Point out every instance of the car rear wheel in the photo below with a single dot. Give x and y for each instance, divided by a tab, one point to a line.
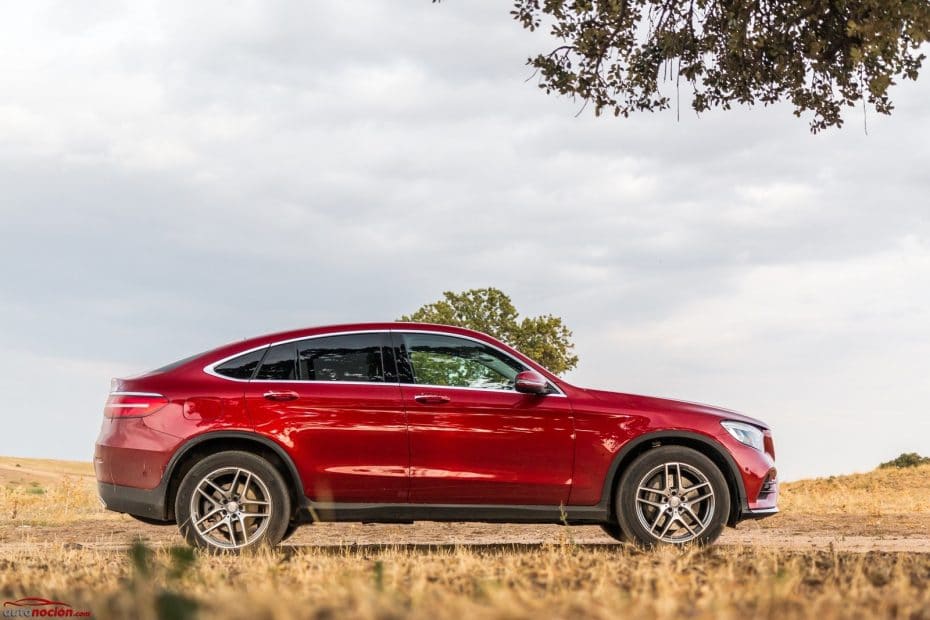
672	495
233	501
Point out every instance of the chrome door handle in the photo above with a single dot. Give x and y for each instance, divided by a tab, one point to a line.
282	396
431	399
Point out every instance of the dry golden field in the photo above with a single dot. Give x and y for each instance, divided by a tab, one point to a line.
846	547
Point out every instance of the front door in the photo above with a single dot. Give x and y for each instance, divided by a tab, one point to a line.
334	401
473	438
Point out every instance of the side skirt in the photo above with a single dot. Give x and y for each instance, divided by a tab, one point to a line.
484	513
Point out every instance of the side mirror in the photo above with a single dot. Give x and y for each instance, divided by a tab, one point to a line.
531	382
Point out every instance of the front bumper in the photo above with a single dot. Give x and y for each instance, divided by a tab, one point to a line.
761	513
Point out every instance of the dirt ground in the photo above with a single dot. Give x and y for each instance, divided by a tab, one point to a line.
852	527
795	532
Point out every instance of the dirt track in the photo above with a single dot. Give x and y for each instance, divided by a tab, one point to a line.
846	526
785	532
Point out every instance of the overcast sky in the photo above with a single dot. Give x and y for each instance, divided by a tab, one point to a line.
178	175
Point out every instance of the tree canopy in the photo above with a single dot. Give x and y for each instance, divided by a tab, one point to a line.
905	459
819	55
544	338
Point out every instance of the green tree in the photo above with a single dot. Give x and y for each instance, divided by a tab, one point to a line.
905	459
820	55
544	339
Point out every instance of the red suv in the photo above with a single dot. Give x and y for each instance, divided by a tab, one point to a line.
399	422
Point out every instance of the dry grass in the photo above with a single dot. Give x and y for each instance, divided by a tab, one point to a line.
881	503
560	579
552	581
40	491
879	492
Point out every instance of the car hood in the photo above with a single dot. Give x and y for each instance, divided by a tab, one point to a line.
667	405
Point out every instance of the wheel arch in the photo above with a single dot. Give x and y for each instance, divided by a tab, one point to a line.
708	446
222	441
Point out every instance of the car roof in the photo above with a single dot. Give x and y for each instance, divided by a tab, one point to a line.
235	348
361	327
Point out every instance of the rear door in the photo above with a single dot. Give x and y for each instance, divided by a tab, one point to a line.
335	402
473	438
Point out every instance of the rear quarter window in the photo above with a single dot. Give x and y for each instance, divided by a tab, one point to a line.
241	367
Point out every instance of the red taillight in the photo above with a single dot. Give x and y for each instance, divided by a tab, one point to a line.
133	404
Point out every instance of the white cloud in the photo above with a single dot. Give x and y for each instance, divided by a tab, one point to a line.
825	350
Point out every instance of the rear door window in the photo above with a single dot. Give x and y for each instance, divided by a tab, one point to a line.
349	357
280	363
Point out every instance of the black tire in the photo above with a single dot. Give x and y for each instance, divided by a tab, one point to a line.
659	498
150	521
246	503
613	530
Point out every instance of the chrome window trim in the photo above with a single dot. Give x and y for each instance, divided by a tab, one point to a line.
136	394
209	368
475	389
319	382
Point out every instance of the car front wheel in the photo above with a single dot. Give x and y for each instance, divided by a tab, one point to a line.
672	495
232	501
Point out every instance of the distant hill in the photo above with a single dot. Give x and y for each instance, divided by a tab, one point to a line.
15	470
886	490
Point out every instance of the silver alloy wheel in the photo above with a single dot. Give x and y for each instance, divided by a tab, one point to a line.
230	508
675	502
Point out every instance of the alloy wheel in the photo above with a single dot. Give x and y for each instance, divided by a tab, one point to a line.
230	508
675	502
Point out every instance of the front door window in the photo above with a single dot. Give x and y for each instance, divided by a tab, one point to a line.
457	362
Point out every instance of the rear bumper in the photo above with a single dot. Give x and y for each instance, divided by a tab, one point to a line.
149	503
128	452
130	461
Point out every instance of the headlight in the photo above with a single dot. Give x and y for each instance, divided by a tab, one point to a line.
745	433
